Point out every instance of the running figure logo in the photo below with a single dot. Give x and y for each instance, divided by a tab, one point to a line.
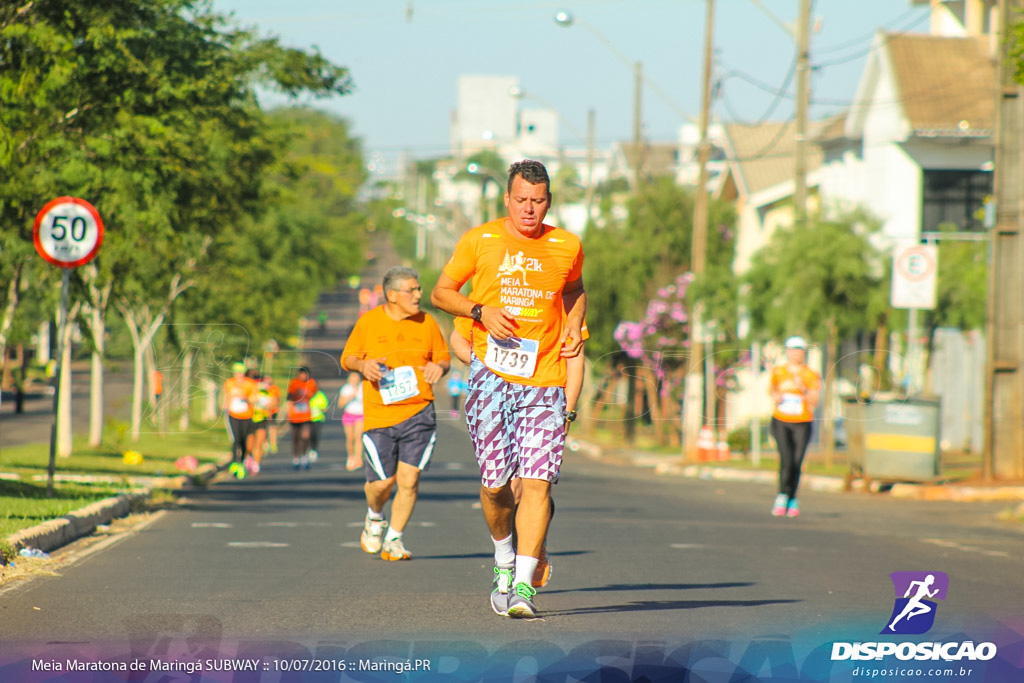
513	264
914	610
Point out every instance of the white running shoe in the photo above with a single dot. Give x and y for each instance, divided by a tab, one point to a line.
373	532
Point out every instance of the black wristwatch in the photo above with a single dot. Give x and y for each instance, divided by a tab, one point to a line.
570	416
477	312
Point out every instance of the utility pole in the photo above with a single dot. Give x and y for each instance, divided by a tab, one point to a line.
1004	405
802	102
638	125
694	384
591	125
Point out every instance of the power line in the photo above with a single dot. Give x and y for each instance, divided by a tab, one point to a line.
858	41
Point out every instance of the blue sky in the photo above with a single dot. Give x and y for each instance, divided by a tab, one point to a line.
405	65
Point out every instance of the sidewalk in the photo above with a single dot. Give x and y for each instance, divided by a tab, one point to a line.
672	465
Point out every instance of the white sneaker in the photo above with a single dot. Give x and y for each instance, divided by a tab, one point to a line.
313	455
373	532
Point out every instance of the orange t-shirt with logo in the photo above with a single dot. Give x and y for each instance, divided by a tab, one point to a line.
299	395
406	346
240	396
464	327
794	387
526	275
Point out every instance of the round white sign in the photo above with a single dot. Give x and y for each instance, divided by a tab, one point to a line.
68	232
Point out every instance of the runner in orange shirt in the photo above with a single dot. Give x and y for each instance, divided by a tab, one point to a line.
575	370
239	398
400	352
301	390
795	389
528	305
275	393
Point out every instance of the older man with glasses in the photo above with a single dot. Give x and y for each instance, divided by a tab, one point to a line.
400	352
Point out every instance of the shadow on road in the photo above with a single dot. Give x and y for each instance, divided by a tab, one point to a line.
664	605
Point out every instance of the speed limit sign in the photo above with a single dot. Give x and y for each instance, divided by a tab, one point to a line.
68	232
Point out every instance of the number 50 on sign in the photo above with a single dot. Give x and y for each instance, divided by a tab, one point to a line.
68	232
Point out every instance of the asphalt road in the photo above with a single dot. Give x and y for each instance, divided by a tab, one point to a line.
272	565
654	577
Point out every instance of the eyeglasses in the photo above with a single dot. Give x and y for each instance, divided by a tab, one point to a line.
410	290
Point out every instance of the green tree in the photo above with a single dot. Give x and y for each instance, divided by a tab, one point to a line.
148	108
961	299
627	261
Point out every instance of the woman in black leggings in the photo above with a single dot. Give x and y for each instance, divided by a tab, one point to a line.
796	390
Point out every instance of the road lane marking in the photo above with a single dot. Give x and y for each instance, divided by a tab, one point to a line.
360	524
211	525
256	544
942	543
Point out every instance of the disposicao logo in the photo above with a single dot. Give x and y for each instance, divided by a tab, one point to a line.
913	613
914	610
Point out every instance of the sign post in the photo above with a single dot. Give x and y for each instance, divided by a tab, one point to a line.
68	233
914	287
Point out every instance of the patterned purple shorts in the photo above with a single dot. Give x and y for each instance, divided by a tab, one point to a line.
516	430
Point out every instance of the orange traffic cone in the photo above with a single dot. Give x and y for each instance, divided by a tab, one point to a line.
706	444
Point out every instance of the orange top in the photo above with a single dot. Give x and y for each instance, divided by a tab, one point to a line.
299	395
158	382
240	396
275	391
464	327
406	346
794	388
526	275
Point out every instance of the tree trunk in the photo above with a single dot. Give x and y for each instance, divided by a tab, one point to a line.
210	409
64	431
650	381
185	402
13	291
143	328
828	441
598	400
99	298
138	375
98	328
629	409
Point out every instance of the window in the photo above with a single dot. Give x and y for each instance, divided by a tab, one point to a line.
956	197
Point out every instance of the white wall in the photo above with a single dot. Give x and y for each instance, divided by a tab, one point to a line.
486	113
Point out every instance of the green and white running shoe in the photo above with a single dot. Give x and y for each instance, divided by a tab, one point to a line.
502	588
520	603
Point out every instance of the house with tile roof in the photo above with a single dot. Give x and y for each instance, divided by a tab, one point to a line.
761	162
915	149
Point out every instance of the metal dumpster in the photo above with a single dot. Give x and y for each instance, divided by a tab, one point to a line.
894	439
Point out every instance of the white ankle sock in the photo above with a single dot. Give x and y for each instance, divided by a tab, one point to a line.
525	566
374	515
392	534
504	553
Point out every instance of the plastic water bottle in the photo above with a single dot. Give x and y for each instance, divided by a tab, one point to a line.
33	552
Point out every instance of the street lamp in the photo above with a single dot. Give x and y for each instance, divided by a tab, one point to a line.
566	20
487	212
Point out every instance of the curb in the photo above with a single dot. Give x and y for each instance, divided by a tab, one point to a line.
814	482
57	533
